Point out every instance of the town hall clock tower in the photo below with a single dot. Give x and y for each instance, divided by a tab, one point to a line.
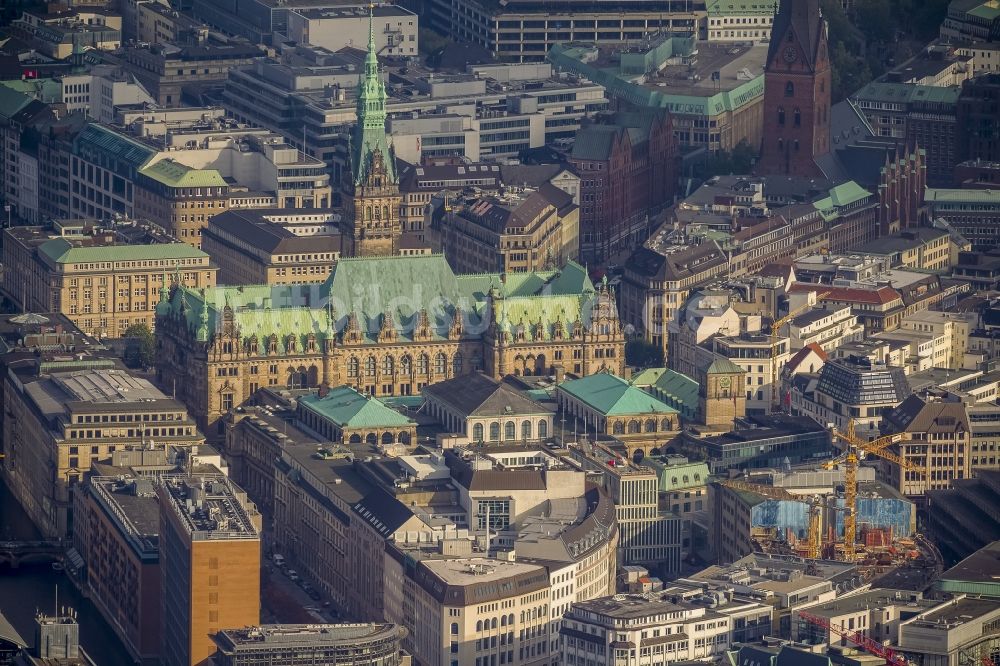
797	83
371	224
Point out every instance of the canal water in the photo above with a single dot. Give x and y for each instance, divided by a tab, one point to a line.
30	588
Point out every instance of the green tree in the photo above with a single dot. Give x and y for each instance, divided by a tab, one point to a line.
140	346
643	354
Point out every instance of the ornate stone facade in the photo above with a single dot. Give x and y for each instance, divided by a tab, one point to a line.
385	326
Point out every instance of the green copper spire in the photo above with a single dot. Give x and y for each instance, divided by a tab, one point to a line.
163	307
201	335
371	154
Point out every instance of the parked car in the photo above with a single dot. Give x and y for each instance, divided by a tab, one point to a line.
292	575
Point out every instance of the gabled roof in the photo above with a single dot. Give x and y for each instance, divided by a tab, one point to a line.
347	408
382	511
477	394
613	396
801	355
879	296
595	142
918	414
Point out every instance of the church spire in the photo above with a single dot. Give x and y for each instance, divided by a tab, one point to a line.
370	149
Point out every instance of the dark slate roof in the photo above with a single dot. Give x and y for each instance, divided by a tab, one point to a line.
252	227
595	142
477	394
917	414
790	656
804	18
529	175
382	511
678	265
752	655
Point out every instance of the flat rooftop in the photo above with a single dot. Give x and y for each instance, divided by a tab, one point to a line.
475	570
736	64
628	606
131	503
359	12
208	507
983	566
954	613
287	636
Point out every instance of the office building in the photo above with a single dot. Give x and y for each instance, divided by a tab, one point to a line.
180	198
975	214
964	519
515	231
336	27
526	31
713	91
828	328
960	629
851	389
165	69
273	246
209	563
760	442
977	127
678	625
647	535
104	280
329	331
63	416
303	644
627	171
921	247
61	33
116	531
740	21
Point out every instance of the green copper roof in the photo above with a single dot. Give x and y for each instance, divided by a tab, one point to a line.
677	390
722	366
48	91
175	174
369	141
347	408
902	93
12	101
741	7
678	477
988	11
942	196
613	396
61	251
96	140
842	195
404	287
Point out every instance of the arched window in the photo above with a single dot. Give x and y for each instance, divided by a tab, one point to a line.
650	425
385	212
456	364
525	429
387	365
509	430
543	429
781	115
477	363
378	213
797	117
665	424
405	365
368	212
796	144
503	621
477	432
633	426
423	363
479	625
494	431
789	89
493	623
440	363
370	366
781	143
618	428
352	366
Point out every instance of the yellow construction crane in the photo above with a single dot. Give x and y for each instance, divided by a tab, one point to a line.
775	334
772	492
850	458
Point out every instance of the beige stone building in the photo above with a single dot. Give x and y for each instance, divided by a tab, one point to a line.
386	326
180	198
103	281
64	415
515	231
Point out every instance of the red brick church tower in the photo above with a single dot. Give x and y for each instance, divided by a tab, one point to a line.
796	92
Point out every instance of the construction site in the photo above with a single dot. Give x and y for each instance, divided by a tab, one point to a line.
809	510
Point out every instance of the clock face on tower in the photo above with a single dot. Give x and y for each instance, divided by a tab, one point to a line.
724	382
790	54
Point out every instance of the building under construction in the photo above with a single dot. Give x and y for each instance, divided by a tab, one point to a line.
782	511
